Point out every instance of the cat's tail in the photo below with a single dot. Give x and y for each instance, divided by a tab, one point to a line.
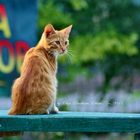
12	111
16	111
19	93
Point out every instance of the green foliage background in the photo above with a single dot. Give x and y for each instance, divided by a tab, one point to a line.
105	35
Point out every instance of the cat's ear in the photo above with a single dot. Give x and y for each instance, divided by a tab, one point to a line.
67	30
49	30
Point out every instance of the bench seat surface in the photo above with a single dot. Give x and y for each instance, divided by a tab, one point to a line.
71	122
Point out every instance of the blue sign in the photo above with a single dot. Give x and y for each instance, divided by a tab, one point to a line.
18	21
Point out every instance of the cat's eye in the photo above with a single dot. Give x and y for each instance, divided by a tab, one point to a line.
57	42
66	42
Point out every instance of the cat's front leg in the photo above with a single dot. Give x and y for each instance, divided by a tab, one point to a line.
54	109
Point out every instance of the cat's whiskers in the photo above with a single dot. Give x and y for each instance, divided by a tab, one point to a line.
69	56
71	53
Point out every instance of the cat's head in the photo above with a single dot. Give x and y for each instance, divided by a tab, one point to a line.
57	41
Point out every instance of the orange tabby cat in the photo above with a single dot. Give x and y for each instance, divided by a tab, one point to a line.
34	92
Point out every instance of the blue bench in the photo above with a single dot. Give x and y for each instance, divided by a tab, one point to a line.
72	122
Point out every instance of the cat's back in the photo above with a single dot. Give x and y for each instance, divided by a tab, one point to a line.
31	59
42	59
34	53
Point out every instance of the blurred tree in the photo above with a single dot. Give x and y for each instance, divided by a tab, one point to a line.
104	32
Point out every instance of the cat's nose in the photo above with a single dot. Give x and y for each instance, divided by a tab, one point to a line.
63	50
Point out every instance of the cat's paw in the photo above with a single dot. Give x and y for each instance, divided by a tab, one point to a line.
47	112
55	110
